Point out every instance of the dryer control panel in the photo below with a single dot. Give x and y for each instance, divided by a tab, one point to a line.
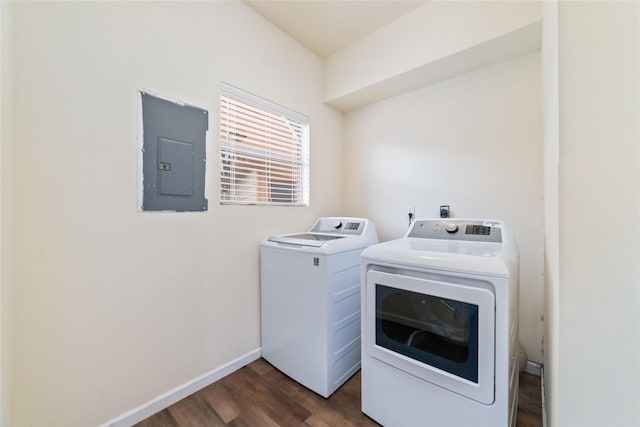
457	229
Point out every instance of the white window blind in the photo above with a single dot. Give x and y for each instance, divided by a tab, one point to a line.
264	151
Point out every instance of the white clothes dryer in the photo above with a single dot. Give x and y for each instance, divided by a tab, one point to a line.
310	301
440	326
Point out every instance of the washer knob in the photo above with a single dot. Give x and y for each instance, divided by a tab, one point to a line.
452	228
337	224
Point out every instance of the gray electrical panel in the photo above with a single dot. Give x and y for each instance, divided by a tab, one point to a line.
174	155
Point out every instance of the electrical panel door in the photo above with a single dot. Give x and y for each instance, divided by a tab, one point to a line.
174	155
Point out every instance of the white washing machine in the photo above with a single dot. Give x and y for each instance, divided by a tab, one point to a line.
440	326
310	300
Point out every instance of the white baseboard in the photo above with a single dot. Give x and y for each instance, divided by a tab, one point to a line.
161	402
532	368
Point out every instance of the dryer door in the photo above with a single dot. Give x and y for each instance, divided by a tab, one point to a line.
441	332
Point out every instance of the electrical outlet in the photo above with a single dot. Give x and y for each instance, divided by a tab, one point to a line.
411	214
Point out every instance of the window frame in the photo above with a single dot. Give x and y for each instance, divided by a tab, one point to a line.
299	184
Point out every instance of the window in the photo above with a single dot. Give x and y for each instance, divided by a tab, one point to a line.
264	151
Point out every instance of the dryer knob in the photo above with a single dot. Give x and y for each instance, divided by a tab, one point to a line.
452	228
337	224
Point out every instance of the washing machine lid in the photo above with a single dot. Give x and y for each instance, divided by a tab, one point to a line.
305	239
329	235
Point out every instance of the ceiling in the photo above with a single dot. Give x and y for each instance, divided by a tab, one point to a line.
326	26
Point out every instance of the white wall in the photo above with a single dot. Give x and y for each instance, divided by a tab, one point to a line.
549	59
473	142
599	215
114	307
6	126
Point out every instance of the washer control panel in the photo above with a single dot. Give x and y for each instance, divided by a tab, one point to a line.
457	229
348	226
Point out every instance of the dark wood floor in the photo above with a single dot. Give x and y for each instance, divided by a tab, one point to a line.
260	395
